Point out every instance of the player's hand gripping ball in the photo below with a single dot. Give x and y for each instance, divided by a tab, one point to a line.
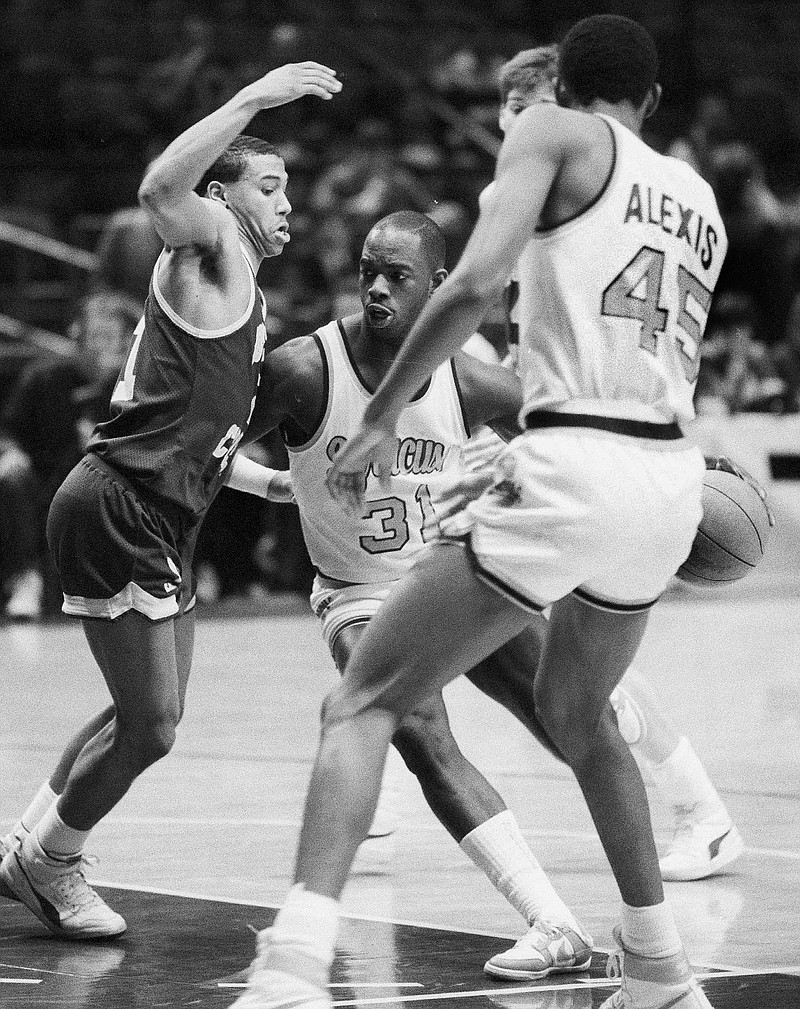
733	533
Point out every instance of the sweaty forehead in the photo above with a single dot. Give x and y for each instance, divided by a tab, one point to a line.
265	168
392	246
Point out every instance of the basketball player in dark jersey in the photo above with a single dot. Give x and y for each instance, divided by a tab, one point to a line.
123	524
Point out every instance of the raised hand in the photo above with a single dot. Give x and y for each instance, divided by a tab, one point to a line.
293	81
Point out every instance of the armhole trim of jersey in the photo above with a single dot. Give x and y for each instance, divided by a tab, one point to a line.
546	232
460	396
204	334
327	400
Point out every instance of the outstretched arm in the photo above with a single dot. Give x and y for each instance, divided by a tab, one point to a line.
179	215
251	477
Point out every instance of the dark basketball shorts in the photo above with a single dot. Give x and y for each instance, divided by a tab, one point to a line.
115	552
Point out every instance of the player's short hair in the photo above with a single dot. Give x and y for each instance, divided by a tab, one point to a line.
608	57
528	70
230	165
430	234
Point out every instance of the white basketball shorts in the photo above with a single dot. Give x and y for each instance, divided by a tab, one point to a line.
606	515
339	606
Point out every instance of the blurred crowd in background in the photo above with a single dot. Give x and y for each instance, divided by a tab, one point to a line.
101	86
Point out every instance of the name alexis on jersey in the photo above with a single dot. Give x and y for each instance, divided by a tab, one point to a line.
648	206
414	456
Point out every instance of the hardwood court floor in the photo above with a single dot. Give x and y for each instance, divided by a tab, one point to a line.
218	819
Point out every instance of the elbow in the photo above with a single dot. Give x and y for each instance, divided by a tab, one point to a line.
147	194
153	192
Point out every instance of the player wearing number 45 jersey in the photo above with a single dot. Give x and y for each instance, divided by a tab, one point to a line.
122	526
593	509
705	840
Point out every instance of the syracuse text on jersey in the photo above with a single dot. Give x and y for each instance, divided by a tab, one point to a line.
413	456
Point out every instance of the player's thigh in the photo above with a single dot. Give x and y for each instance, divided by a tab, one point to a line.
586	653
508	676
138	660
437	623
183	627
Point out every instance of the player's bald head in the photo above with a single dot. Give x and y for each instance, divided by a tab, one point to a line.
418	227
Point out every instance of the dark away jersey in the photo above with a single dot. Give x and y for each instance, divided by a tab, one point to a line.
182	402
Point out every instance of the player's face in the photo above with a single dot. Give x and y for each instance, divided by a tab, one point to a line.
258	199
519	100
394	282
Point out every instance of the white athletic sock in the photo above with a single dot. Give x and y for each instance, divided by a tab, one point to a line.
499	850
307	925
630	717
650	931
302	941
57	838
40	803
682	780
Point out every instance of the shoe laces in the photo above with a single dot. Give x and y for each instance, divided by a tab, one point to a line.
540	935
69	886
614	964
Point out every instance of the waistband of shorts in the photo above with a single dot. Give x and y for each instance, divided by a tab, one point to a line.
326	582
168	511
670	431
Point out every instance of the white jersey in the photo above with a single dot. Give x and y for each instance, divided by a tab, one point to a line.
613	303
381	545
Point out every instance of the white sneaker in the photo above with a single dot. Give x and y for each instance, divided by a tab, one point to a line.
57	893
704	842
10	842
269	988
659	982
25	601
275	989
546	948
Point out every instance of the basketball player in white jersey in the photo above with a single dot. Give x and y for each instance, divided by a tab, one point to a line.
705	840
593	509
315	389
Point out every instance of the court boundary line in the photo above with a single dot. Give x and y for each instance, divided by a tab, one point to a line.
579	985
719	970
276	907
427	828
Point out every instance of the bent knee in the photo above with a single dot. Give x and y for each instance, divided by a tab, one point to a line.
148	741
426	744
571	723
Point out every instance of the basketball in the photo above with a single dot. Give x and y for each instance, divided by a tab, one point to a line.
732	535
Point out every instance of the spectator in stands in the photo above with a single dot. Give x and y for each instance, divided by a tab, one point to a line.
787	357
711	127
165	86
45	424
758	264
737	372
127	251
367	182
